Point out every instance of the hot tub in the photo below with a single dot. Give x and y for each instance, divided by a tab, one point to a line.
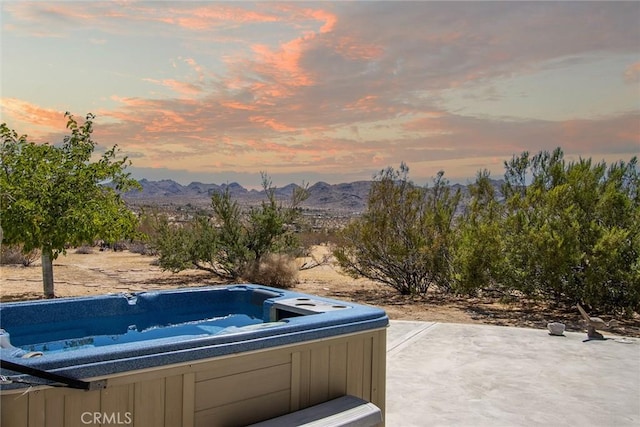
227	356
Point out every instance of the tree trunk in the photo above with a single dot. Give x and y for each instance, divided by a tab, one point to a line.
47	273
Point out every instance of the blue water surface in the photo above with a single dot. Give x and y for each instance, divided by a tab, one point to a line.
183	330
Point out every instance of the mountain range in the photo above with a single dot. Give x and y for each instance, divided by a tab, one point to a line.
350	196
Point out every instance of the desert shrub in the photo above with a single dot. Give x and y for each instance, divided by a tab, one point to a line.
232	243
84	250
142	248
277	270
148	221
13	255
478	245
311	238
404	237
567	232
178	246
574	234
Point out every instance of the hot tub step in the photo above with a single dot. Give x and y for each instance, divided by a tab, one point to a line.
343	411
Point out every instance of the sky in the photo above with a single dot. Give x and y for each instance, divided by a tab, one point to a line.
332	91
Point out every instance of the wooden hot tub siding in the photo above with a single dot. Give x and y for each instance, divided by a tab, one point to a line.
230	390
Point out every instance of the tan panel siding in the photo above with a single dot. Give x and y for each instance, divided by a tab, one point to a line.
246	411
18	416
36	409
366	368
379	370
54	407
188	400
117	399
295	381
319	375
231	388
250	362
305	372
149	401
337	370
173	400
355	361
75	404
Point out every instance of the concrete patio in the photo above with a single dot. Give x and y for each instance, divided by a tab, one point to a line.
441	374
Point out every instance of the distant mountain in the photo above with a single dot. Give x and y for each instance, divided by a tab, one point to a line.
350	196
165	187
170	188
200	188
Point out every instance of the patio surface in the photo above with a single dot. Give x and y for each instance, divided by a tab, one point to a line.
443	374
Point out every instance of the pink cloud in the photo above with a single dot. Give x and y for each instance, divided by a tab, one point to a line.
329	19
196	67
34	116
137	103
204	18
272	123
118	16
238	105
284	63
166	121
632	73
191	86
281	69
355	49
298	16
428	122
183	88
366	103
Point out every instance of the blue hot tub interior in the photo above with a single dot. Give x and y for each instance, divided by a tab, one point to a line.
85	337
101	332
118	319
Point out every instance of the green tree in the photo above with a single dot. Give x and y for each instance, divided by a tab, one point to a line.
53	196
404	238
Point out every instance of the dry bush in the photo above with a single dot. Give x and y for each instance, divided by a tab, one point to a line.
84	250
317	256
12	254
277	270
142	248
120	246
309	239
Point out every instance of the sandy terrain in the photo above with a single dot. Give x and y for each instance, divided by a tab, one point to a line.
105	272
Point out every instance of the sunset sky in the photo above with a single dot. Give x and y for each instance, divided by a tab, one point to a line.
326	91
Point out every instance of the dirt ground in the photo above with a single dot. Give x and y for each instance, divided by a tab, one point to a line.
99	272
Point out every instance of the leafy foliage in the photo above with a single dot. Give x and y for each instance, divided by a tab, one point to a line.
478	254
564	232
404	237
180	247
234	244
52	196
571	235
